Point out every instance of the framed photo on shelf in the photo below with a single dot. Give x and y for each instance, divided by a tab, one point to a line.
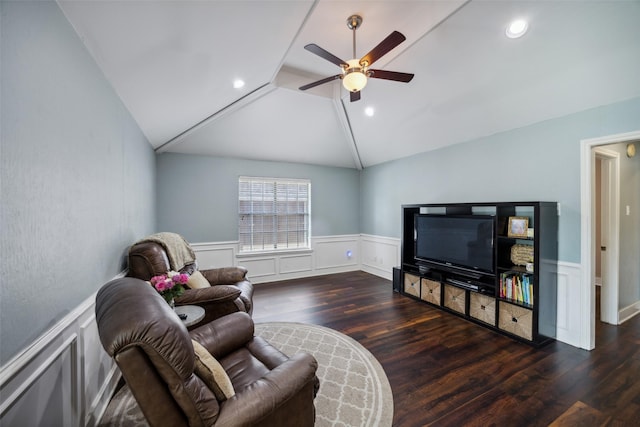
518	226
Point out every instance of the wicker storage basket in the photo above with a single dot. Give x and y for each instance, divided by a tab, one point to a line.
515	319
412	285
483	308
521	254
430	291
455	298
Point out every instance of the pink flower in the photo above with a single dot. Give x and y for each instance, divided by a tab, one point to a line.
169	285
156	279
181	278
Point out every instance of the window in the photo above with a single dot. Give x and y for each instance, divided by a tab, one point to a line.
273	213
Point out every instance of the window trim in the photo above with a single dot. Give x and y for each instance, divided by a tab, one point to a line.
275	181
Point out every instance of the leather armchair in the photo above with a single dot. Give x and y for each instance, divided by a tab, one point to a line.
155	354
230	290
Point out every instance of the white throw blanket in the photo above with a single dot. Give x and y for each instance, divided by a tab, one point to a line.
177	248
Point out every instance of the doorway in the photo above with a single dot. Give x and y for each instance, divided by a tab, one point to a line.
587	297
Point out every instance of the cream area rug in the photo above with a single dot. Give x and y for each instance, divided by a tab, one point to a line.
354	389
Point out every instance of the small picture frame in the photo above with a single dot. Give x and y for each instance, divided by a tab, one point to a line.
518	226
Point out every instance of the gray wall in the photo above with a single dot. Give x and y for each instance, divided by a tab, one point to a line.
537	162
77	177
198	195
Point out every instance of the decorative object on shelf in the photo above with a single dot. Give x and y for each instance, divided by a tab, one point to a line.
170	285
631	149
518	226
521	254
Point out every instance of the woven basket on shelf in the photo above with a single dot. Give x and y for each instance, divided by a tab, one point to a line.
521	254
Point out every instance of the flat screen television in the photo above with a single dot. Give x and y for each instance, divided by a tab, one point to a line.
464	242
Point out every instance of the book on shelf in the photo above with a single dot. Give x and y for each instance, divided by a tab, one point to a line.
516	287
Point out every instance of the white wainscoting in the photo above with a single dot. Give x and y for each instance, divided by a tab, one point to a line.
569	308
64	378
380	255
328	254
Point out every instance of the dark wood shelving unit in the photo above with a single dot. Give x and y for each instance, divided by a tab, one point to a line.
526	310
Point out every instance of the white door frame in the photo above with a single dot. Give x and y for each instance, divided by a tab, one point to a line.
587	230
611	228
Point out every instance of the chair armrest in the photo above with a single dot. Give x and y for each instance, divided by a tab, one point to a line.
225	275
226	334
278	388
212	294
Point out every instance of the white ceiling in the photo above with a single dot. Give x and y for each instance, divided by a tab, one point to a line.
173	64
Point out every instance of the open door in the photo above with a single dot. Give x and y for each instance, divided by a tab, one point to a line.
607	231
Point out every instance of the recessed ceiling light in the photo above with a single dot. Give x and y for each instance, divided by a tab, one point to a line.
369	111
517	28
237	84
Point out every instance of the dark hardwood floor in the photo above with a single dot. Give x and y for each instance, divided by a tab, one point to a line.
445	371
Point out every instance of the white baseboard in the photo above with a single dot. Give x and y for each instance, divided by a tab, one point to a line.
629	312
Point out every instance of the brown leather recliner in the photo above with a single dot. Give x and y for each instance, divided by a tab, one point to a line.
155	354
230	290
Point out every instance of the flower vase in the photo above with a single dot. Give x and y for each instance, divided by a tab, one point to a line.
172	304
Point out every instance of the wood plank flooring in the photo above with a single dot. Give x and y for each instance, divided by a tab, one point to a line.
445	371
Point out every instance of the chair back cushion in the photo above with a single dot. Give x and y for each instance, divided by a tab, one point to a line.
146	260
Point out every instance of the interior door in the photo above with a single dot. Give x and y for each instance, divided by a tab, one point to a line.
609	229
603	236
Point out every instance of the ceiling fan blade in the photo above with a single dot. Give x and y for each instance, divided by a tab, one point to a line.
391	75
319	82
392	40
314	48
355	96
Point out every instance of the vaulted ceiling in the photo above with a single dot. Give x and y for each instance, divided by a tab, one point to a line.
173	64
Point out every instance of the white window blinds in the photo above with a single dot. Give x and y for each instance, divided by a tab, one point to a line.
273	213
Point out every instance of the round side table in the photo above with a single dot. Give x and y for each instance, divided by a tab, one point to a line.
194	314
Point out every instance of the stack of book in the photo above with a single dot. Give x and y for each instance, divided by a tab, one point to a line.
517	287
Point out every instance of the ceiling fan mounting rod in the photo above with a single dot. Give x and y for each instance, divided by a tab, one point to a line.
353	22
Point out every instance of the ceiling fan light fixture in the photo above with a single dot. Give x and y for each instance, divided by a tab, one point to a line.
355	77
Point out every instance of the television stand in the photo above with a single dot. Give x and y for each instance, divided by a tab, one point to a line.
519	298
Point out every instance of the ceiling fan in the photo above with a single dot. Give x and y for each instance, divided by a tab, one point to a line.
356	72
